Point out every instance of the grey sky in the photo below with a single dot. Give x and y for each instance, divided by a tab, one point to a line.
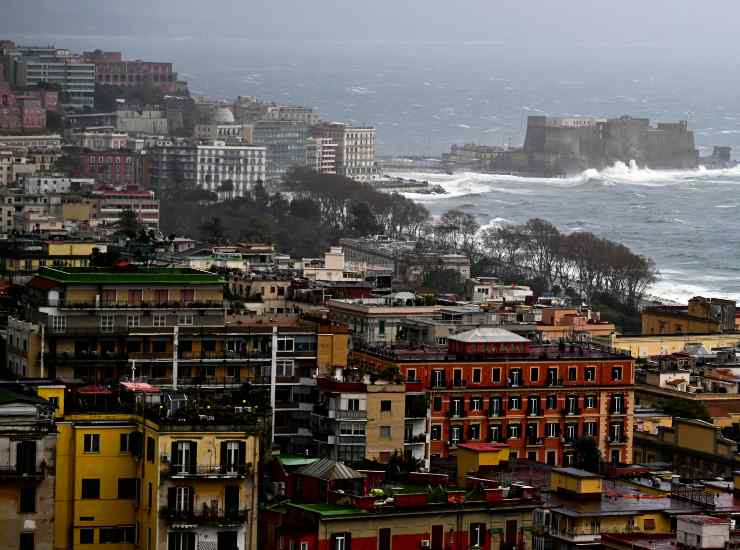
681	24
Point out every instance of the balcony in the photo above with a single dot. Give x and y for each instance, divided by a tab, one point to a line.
212	304
206	516
573	411
534	412
534	441
15	472
417	439
497	413
554	382
340	414
621	440
179	471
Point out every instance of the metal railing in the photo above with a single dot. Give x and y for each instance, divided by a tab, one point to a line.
205	516
195	470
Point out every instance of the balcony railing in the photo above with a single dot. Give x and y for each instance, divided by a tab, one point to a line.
198	470
206	516
415	439
208	304
14	471
534	441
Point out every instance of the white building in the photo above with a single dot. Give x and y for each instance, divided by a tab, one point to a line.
488	289
99	139
673	380
35	142
242	166
321	155
292	113
145	121
44	185
355	153
331	268
700	531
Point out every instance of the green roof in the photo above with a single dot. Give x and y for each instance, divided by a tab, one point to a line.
132	275
296	460
329	510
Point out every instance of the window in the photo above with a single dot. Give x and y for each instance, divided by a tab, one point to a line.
515	377
494	406
135	296
589	374
495	375
150	449
552	402
590	402
284	367
570	432
617	404
513	431
649	524
591	429
133	320
159	319
616	433
87	536
494	433
381	328
125	444
455	434
384	539
474	432
182	499
616	373
477	534
26	541
353	404
476	376
385	405
27	501
385	432
456	407
91	443
552	429
572	374
118	535
304	546
552	376
54	403
515	403
438	378
285	344
159	346
106	323
127	488
411	375
476	404
185	319
437	402
568	459
534	374
436	432
160	296
149	495
341	541
58	323
90	488
187	295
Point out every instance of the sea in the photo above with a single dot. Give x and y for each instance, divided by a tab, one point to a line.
424	96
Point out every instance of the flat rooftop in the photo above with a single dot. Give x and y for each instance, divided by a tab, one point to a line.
129	275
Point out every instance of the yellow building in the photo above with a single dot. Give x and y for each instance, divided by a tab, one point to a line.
20	259
662	344
582	506
385	421
156	476
478	457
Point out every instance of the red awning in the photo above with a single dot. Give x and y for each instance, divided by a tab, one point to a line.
141	387
93	390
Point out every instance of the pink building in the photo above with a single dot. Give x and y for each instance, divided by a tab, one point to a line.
20	112
111	167
112	202
112	70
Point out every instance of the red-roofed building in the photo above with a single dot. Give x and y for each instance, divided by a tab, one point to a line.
111	202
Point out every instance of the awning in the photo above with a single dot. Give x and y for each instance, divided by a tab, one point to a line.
141	387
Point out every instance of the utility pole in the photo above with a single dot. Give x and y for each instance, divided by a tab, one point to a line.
175	335
273	376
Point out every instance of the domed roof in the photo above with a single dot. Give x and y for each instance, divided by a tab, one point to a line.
223	115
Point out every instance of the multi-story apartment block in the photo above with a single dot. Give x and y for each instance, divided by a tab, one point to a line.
20	112
32	142
120	167
321	155
113	70
21	258
492	385
39	66
286	145
355	153
173	162
291	113
141	468
112	202
99	139
28	450
220	167
54	183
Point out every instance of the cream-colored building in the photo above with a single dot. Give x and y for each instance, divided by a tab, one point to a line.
650	345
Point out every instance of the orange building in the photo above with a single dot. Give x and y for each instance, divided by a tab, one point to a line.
492	385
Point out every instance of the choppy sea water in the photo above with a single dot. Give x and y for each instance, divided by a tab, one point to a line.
687	221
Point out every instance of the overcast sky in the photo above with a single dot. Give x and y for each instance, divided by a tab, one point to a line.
680	24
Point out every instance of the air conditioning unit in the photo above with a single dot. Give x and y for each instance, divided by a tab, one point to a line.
426	543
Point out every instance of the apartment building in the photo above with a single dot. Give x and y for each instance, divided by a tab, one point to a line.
285	142
28	445
112	70
134	469
112	202
321	155
355	152
112	167
490	384
221	167
292	113
99	139
33	142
